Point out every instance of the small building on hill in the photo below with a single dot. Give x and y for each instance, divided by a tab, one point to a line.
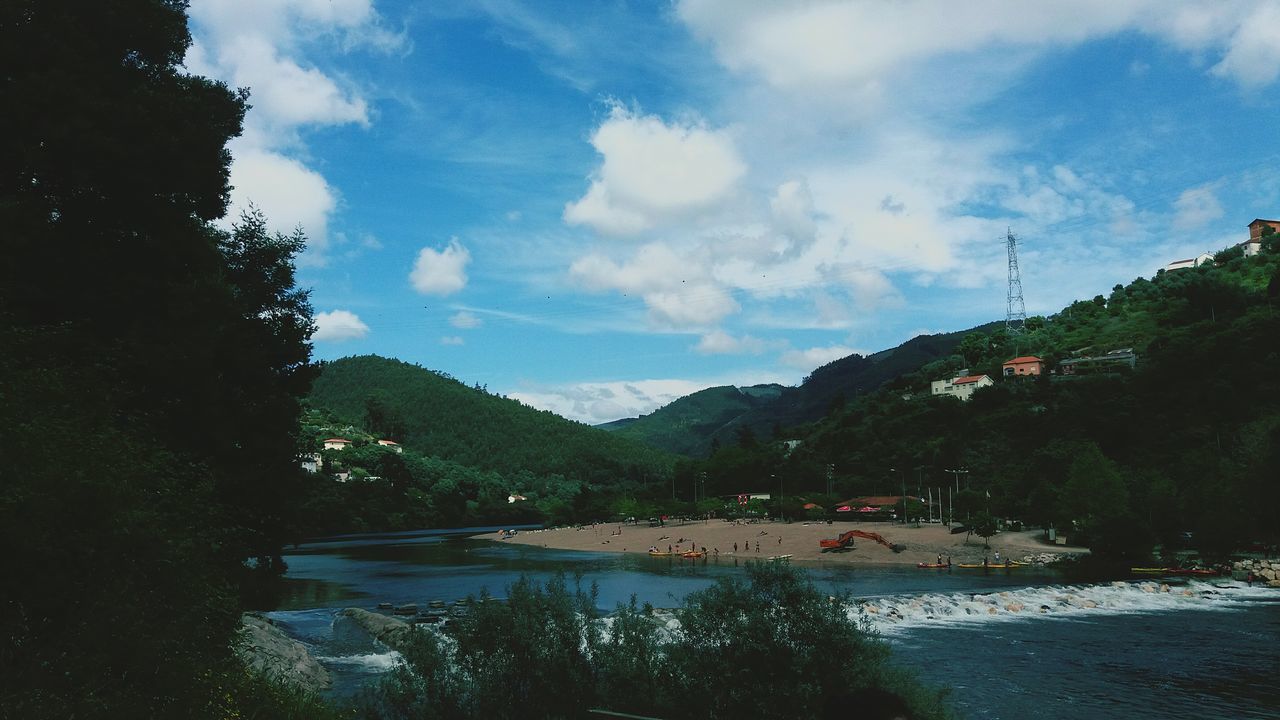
1259	229
961	387
1025	365
337	444
1194	262
1112	361
391	444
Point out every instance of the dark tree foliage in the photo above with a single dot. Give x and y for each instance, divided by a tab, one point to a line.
150	374
767	646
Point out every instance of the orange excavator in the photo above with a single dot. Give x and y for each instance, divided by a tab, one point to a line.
846	540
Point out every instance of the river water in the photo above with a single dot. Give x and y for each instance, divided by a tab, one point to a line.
1016	645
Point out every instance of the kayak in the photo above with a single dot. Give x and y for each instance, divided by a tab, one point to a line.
780	558
932	565
989	566
660	553
693	555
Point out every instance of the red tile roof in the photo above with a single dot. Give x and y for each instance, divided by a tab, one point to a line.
967	379
337	440
1023	359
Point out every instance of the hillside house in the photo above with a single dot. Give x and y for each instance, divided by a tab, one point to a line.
312	462
961	387
1108	362
392	445
337	444
1194	262
1025	365
1259	229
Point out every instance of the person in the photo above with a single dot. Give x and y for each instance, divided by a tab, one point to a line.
939	558
757	546
948	561
1250	578
984	561
779	539
668	549
997	557
735	547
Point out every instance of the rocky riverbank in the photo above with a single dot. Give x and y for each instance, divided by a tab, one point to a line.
266	649
1264	571
387	630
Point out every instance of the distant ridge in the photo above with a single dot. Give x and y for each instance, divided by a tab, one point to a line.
690	424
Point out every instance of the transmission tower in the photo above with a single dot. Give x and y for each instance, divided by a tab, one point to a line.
1016	317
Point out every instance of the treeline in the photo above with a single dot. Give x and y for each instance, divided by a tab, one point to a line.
1189	441
150	375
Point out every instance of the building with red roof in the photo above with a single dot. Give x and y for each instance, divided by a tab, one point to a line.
961	387
1025	365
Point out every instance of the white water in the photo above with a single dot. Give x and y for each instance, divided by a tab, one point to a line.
370	662
892	613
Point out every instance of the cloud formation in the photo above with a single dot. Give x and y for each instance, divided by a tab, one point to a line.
441	272
464	320
338	326
815	357
262	46
653	172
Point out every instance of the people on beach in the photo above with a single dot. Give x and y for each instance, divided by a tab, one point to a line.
997	557
779	539
735	548
757	546
939	558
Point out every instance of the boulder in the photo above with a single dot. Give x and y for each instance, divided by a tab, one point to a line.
386	630
265	649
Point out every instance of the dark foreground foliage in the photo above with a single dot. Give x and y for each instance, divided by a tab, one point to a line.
770	646
149	379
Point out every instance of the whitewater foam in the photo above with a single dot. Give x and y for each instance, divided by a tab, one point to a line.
891	613
371	662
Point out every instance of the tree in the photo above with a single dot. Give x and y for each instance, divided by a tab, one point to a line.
151	370
984	526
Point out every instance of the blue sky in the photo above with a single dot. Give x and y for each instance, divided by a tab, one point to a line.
597	207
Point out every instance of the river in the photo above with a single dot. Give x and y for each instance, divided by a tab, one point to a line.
1008	646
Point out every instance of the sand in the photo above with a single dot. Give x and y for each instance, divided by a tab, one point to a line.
797	539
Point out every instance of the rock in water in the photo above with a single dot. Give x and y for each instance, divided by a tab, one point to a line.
386	630
265	648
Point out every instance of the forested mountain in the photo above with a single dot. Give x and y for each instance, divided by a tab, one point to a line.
687	425
697	424
438	416
1189	440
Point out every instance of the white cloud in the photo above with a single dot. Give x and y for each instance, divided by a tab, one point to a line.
452	340
441	272
339	325
259	46
1196	207
676	289
288	193
814	357
859	46
719	342
653	172
465	320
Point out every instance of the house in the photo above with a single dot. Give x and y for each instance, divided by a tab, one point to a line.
1107	362
1025	365
1259	229
1194	262
960	387
391	444
514	498
337	444
312	462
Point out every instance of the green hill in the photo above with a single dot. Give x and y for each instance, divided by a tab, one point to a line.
687	425
1187	441
694	424
437	416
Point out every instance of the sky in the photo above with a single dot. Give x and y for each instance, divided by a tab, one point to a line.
597	207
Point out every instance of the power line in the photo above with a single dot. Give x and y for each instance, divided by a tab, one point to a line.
1015	319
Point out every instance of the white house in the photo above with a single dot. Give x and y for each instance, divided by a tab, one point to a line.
312	462
337	444
1194	262
961	387
391	444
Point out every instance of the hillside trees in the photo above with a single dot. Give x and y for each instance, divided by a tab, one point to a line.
151	369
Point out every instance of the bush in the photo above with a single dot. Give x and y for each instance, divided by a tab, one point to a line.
769	646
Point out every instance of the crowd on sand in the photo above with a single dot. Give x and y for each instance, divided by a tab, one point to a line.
723	540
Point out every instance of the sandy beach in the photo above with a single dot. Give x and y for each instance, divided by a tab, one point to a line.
797	539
